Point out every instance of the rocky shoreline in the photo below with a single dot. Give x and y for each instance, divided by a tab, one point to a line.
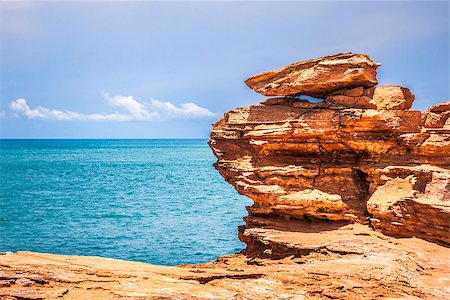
350	262
351	201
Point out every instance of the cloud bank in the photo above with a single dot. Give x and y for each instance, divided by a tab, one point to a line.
127	108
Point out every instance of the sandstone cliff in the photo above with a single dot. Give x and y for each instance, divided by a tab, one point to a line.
358	156
351	201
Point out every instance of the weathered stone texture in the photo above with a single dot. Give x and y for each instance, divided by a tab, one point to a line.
317	77
358	156
380	97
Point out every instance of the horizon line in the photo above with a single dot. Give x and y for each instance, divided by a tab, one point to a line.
71	138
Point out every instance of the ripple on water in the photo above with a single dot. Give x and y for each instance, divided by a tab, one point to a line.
156	201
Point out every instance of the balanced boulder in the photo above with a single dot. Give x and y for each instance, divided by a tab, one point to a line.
317	77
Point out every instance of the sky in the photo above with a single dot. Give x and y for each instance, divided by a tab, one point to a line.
115	69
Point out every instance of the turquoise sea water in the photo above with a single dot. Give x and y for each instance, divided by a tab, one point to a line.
155	201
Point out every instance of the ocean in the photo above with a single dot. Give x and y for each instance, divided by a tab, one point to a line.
154	201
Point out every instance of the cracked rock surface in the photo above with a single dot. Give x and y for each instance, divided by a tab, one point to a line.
317	77
299	261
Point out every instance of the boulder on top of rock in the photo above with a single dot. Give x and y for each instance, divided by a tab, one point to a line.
380	97
392	97
317	77
437	116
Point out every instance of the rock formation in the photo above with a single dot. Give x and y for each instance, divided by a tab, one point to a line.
359	156
380	97
335	184
317	77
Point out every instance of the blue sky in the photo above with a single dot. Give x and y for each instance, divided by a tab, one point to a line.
170	69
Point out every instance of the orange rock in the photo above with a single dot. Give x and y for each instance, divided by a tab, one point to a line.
380	97
437	116
317	77
392	97
325	161
413	201
296	261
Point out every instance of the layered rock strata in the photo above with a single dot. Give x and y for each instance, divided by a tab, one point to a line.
359	156
317	77
437	116
380	97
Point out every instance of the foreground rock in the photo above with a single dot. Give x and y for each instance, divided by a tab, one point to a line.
300	261
317	77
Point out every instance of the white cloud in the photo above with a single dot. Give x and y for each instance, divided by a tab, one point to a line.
21	108
2	114
133	108
128	109
186	110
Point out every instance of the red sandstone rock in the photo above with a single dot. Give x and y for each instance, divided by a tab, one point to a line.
437	116
317	77
322	161
392	97
380	97
297	261
412	201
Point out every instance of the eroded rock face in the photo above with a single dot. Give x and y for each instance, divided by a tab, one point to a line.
380	97
317	77
413	201
360	156
437	116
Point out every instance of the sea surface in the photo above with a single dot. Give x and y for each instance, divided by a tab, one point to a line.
155	201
